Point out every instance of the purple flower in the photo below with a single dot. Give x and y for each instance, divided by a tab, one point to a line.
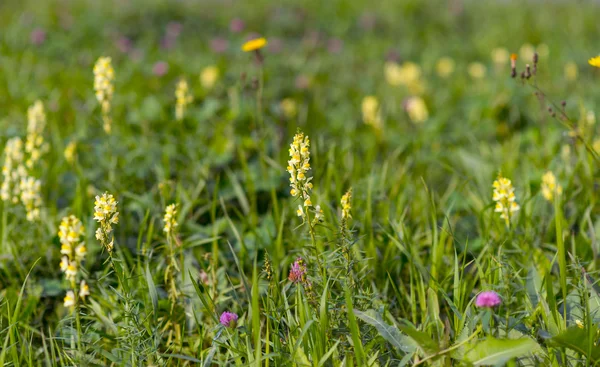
488	299
219	45
237	25
124	44
37	36
174	29
228	319
160	68
298	271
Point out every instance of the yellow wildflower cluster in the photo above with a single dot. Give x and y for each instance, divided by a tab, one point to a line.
209	76
34	145
17	184
104	75
169	219
298	166
504	196
105	213
594	61
183	98
408	74
550	186
416	109
371	112
346	206
70	233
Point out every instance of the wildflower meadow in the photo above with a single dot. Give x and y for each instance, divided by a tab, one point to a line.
311	183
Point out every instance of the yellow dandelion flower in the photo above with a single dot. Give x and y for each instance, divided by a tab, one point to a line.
595	61
254	44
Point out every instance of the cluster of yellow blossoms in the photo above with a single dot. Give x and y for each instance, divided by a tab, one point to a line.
34	145
504	196
408	75
70	233
183	98
371	112
104	74
19	183
346	206
549	186
106	214
298	167
169	219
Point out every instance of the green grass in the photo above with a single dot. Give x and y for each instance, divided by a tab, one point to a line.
396	283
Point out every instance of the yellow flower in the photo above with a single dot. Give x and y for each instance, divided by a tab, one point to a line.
169	219
595	61
84	289
69	300
289	107
500	56
370	112
476	70
209	76
444	67
346	205
504	197
70	151
104	74
255	44
298	166
30	197
549	186
571	71
579	323
183	98
526	52
106	214
416	109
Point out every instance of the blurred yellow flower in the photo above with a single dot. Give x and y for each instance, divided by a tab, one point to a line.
370	112
346	205
416	109
406	74
590	117
549	186
543	50
289	107
476	70
255	44
526	52
183	98
104	74
209	76
595	61
571	71
70	151
444	67
500	56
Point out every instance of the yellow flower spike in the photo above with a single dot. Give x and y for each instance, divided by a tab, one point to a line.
595	61
254	44
504	197
346	205
549	186
169	219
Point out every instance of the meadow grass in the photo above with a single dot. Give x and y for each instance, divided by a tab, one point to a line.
365	186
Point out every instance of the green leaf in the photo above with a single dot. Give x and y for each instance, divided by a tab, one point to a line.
152	290
388	332
422	339
493	351
579	340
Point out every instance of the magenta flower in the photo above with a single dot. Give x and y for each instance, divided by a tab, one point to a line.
237	25
160	68
37	36
488	299
228	319
298	271
219	45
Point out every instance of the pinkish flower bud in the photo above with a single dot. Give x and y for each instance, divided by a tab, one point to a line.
228	319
